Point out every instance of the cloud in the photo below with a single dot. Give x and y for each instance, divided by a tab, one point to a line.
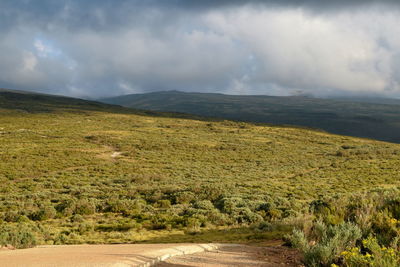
323	4
102	48
136	59
107	14
316	53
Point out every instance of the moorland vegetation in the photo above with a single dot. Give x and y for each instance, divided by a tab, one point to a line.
74	172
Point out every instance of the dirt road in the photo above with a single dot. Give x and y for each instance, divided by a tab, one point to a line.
93	255
141	255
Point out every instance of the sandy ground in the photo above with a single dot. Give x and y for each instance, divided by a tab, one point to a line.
238	255
137	254
81	255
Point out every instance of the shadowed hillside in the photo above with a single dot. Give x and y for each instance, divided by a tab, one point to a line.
360	118
35	102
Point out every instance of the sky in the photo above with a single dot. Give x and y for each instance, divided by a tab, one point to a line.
102	48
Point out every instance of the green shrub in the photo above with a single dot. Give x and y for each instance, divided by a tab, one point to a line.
184	197
44	213
11	216
85	207
325	243
204	205
19	236
193	225
77	218
66	207
163	204
60	239
85	227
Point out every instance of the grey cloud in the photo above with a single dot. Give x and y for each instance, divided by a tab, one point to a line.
104	14
310	3
102	48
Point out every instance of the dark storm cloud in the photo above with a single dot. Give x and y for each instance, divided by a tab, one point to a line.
108	14
77	13
68	13
306	3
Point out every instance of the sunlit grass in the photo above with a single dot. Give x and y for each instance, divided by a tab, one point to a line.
57	165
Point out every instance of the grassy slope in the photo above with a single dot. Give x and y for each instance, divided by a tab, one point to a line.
359	118
55	152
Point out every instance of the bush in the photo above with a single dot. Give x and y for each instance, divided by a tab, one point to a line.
371	254
246	216
85	207
85	227
44	213
230	205
385	227
203	205
60	239
184	197
11	216
66	207
264	226
19	236
193	226
325	243
163	204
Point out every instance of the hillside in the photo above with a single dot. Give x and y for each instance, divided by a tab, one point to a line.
75	171
360	118
34	102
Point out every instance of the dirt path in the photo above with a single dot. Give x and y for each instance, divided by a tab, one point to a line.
87	255
146	255
237	255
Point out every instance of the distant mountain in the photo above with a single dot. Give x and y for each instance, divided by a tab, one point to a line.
361	117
